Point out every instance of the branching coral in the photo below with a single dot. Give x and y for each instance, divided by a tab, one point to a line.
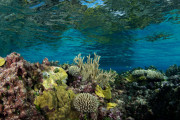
90	70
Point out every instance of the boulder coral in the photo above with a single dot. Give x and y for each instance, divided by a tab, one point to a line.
85	102
74	71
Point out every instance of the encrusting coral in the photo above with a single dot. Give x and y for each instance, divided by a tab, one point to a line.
17	78
53	76
85	102
57	104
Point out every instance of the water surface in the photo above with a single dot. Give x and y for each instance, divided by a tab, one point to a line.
125	34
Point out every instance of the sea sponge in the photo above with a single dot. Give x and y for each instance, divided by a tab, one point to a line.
74	71
85	102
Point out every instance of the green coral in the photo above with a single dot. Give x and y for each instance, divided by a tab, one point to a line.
59	103
54	76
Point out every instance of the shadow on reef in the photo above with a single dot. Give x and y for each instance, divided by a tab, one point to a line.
149	94
82	91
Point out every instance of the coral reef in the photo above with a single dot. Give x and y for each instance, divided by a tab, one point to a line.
57	104
148	74
154	99
17	79
85	102
2	61
46	61
54	76
74	71
34	91
103	93
90	70
173	70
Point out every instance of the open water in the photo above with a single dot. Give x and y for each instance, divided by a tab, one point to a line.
135	34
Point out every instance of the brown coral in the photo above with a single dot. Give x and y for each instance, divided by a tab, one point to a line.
85	102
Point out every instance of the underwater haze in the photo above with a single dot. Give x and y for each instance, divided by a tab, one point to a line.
125	33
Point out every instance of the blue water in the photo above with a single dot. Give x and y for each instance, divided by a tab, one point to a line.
120	51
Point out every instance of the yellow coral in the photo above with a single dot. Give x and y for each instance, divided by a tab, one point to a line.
48	99
51	77
103	93
111	105
60	101
2	61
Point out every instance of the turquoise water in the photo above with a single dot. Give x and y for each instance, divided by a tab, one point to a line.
45	29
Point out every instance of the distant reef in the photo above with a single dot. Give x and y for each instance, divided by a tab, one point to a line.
83	91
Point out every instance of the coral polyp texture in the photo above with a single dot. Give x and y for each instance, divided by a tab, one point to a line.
85	102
